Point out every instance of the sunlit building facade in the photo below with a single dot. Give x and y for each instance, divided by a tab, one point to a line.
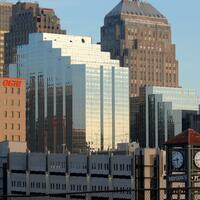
76	95
5	14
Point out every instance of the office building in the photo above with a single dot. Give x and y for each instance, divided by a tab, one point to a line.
28	18
150	174
7	147
160	113
12	109
58	174
191	120
77	97
139	36
5	14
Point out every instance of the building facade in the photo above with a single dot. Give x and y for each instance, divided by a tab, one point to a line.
12	109
7	147
160	113
140	37
5	14
61	174
28	18
76	95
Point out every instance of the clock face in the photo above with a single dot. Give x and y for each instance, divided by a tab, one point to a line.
197	159
177	159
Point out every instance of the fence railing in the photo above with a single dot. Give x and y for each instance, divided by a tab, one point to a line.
141	194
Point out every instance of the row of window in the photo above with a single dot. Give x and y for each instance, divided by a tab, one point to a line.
13	138
11	90
12	102
12	126
12	114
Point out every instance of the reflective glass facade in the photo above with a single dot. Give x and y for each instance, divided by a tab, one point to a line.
76	95
160	113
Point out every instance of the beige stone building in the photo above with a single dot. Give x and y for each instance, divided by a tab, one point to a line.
139	36
5	14
150	174
12	109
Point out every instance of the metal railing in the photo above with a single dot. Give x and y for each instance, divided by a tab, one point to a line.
141	194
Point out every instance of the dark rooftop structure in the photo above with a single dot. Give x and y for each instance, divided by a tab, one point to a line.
188	137
135	7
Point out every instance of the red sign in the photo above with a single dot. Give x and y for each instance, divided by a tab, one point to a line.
12	83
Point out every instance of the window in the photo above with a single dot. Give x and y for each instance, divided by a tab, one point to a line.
12	90
5	90
12	102
5	114
18	114
12	126
12	114
6	126
18	90
5	137
18	126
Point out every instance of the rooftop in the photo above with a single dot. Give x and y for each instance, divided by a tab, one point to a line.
135	7
187	137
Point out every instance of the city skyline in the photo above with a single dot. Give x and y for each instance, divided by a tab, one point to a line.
187	48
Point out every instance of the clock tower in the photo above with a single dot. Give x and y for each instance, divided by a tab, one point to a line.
183	166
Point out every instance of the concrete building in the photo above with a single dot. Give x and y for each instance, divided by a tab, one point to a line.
139	36
76	95
7	147
58	174
160	113
12	109
28	18
5	14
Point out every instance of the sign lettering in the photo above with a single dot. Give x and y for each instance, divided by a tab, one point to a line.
12	83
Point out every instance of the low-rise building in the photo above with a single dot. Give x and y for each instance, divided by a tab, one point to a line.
12	109
71	176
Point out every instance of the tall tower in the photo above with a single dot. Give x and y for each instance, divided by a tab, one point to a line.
28	18
5	14
140	37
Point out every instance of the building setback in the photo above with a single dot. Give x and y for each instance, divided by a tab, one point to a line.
140	37
5	14
28	18
161	113
12	109
76	95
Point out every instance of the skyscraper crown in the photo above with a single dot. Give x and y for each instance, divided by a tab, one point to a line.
135	7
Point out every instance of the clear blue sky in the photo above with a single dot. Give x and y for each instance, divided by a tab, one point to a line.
85	17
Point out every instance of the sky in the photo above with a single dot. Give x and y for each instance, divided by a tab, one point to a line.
85	17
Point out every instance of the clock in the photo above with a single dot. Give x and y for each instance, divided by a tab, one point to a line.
197	159
177	159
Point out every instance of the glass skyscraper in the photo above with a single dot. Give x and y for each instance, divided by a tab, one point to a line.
76	95
160	112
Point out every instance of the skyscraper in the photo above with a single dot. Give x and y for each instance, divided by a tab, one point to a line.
5	14
76	95
140	37
29	18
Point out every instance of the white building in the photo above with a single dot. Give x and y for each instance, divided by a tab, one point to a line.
76	95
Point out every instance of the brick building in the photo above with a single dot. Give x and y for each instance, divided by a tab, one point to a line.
29	18
5	14
140	37
12	109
